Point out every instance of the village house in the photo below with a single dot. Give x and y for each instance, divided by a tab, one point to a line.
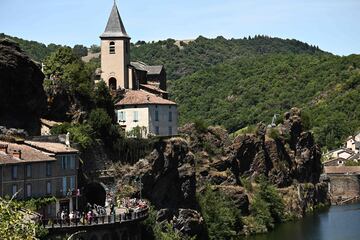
153	115
353	143
144	104
34	169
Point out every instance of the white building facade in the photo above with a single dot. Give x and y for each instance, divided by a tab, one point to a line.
154	115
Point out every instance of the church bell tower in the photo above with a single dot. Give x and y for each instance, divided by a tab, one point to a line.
115	52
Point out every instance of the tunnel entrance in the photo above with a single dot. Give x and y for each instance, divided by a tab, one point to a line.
95	193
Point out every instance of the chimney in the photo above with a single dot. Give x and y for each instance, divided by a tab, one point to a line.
17	154
4	148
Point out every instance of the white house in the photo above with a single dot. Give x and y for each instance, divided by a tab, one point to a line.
353	143
152	114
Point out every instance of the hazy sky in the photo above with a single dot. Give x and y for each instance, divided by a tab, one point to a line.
333	25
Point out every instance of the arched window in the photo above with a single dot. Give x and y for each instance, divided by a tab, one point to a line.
112	48
112	83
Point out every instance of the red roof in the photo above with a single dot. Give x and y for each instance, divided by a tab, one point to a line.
51	147
342	170
140	97
28	154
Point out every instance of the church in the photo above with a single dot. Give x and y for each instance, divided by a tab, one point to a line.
145	104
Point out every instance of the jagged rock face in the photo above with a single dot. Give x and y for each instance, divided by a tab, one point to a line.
282	161
168	175
23	99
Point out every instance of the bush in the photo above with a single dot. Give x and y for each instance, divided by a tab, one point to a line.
100	121
222	218
274	133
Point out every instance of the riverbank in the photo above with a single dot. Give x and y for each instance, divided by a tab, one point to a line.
336	223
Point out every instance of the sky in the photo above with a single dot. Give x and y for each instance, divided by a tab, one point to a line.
333	25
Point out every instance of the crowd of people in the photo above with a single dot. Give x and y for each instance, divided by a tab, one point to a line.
128	208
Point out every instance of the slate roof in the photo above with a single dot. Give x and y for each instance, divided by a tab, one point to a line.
140	97
115	26
151	70
28	154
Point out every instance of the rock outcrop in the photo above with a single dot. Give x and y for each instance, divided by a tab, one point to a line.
178	168
23	99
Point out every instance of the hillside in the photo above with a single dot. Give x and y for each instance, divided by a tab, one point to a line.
244	91
238	82
37	51
203	53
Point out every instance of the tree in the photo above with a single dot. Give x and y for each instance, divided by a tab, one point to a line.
80	51
222	218
95	48
58	61
15	223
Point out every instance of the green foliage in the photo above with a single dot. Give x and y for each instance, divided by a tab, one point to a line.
137	132
60	128
201	126
56	63
100	121
203	53
14	223
246	91
83	134
80	50
95	48
273	133
266	208
37	51
222	218
352	163
162	231
35	204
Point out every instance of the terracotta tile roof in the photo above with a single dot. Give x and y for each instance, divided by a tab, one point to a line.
141	97
28	154
342	170
51	147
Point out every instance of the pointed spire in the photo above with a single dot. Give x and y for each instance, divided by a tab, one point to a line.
115	26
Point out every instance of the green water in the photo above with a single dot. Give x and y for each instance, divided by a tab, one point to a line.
338	223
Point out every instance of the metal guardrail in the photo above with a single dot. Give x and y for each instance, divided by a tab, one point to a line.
97	220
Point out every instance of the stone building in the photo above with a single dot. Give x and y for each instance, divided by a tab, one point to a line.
144	87
32	169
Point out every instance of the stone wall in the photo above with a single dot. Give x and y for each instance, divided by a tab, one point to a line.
344	186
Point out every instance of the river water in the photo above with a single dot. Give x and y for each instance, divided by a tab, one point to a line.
337	223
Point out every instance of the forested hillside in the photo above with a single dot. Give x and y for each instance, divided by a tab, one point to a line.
239	82
203	53
250	90
37	51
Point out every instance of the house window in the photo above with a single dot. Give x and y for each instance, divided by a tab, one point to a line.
48	169
170	131
136	116
28	190
48	188
14	189
121	116
170	116
112	48
157	115
68	162
72	183
28	170
64	185
127	47
157	130
14	172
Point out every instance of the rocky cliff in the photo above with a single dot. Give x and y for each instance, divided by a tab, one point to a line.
22	98
180	167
